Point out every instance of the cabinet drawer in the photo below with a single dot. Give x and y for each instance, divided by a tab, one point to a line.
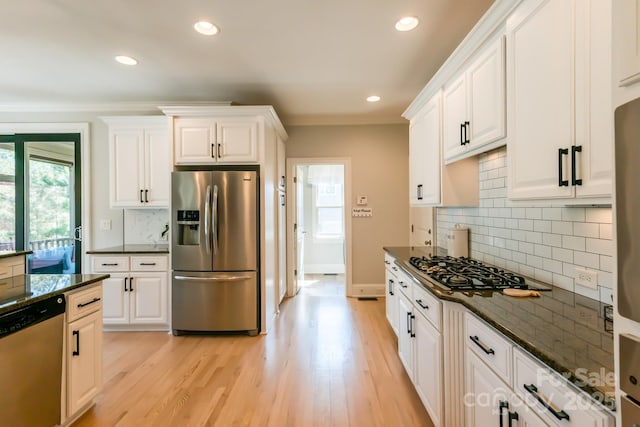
428	305
489	345
388	260
12	266
149	263
82	302
405	284
105	264
551	396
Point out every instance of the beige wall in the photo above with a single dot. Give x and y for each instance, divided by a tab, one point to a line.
380	170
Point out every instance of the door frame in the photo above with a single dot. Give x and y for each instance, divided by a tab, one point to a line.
292	164
83	130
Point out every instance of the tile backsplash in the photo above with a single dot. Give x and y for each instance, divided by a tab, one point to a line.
546	243
144	226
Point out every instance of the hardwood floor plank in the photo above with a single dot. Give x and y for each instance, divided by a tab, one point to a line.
329	361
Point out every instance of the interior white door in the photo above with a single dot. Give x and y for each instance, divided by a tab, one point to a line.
300	232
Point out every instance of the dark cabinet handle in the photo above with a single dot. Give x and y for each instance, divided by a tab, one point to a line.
141	201
394	268
411	318
461	133
409	322
476	340
213	150
84	304
130	284
387	262
76	352
419	192
219	151
466	133
502	405
575	149
513	416
109	264
125	284
146	196
403	285
147	263
391	287
557	412
421	304
561	182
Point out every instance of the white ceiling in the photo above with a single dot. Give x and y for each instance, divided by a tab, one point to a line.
315	61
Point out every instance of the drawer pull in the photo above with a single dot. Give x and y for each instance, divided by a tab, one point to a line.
147	263
76	352
422	305
387	262
109	264
394	268
84	304
482	345
403	285
557	412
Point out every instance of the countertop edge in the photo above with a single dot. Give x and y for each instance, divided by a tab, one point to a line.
15	253
535	352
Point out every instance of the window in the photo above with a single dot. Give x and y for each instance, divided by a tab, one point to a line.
328	210
7	197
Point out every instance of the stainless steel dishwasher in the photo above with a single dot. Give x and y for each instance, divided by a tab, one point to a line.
31	364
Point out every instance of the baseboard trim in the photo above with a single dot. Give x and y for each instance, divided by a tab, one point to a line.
324	268
368	290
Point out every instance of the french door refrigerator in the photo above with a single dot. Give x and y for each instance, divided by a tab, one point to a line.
214	250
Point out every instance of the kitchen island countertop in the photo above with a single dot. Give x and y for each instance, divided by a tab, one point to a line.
132	249
9	254
23	290
566	331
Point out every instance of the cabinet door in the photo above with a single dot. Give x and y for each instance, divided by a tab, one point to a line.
194	141
115	299
424	155
484	392
628	17
454	116
282	164
238	141
540	65
405	333
391	303
148	298
282	245
126	167
84	360
428	367
157	168
486	96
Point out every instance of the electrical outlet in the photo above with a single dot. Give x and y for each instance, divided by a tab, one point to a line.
587	278
105	224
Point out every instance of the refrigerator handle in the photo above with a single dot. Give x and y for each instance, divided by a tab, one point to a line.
207	208
214	231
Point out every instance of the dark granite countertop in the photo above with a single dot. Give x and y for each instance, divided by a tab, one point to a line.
132	249
20	291
9	254
565	330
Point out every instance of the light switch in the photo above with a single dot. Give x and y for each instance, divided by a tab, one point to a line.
105	224
362	200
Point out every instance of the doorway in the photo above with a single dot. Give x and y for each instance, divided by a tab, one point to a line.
320	243
42	187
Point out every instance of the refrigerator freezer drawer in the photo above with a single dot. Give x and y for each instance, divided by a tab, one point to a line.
215	302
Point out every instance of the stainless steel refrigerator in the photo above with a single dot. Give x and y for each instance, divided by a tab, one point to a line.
215	286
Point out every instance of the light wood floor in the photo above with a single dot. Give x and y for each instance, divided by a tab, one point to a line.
330	361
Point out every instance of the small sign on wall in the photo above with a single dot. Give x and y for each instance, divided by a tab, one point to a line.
361	212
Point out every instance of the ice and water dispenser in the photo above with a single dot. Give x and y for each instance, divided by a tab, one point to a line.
188	227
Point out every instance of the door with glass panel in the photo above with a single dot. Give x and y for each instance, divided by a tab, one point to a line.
46	219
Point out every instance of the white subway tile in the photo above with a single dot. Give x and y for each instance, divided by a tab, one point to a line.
526	270
534	261
564	255
552	239
511	223
499	203
499	242
586	229
534	213
568	269
562	227
606	263
525	224
602	215
552	265
543	276
575	243
587	292
525	247
563	282
542	226
605	279
606	295
552	214
600	246
606	231
506	254
499	222
543	251
533	237
519	257
586	260
573	214
512	265
518	213
512	245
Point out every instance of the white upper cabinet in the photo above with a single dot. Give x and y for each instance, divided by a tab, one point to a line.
558	80
139	164
628	17
204	140
474	105
424	155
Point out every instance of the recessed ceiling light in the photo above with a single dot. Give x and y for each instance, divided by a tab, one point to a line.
373	98
206	28
407	23
126	60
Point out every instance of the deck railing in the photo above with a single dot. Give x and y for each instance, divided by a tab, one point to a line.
37	245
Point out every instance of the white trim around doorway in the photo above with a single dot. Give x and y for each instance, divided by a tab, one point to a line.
292	164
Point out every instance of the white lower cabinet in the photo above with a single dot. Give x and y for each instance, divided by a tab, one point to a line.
391	298
136	293
405	333
83	352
